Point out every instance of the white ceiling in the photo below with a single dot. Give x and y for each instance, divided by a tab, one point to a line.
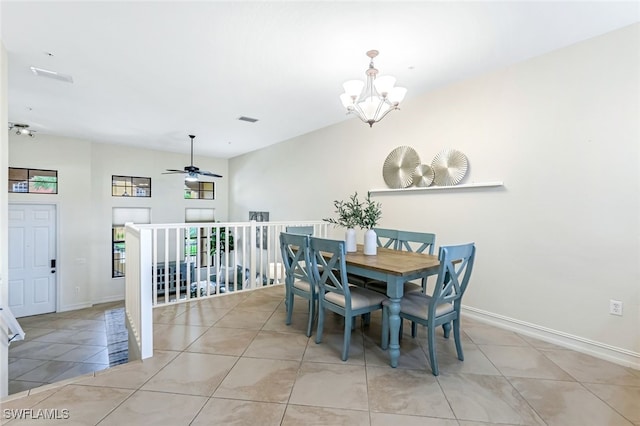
150	73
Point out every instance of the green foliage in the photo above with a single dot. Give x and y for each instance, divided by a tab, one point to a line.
222	232
371	213
353	212
44	183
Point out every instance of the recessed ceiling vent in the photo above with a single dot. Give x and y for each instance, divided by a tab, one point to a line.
247	119
52	74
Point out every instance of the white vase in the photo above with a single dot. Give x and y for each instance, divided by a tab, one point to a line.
350	240
370	244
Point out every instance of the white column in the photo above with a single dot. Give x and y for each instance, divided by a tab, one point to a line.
4	223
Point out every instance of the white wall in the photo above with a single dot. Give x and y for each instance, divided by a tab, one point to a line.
84	204
561	237
4	258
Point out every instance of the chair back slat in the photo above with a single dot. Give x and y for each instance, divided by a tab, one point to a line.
387	238
329	266
295	256
416	241
305	230
456	265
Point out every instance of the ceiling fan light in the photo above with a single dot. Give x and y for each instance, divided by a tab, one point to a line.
191	177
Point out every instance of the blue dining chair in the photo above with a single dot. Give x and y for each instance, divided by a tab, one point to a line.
305	230
443	306
418	242
386	238
295	256
328	269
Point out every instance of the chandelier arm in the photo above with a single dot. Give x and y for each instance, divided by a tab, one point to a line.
360	113
393	108
378	111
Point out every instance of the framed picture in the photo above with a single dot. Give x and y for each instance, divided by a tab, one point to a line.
260	217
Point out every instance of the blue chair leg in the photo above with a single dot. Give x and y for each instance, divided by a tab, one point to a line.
320	324
348	321
289	307
431	339
456	337
446	328
312	314
366	318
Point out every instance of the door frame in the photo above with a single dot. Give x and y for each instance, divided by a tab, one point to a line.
56	208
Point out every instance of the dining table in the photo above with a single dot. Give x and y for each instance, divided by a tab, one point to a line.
394	267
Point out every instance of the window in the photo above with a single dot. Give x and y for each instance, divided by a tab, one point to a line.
117	241
199	190
130	186
120	216
33	181
191	238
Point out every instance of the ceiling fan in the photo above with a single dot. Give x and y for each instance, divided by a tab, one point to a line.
192	171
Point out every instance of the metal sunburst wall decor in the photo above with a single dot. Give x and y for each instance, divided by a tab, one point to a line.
449	166
399	167
423	176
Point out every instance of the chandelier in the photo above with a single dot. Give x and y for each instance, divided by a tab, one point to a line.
373	99
22	129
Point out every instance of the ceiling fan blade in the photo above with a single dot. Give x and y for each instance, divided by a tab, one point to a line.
202	172
192	170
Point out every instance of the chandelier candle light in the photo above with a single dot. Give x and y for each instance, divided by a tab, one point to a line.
373	99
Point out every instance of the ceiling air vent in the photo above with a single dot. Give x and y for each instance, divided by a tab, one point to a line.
247	119
52	74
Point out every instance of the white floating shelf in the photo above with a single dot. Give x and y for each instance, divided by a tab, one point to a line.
435	188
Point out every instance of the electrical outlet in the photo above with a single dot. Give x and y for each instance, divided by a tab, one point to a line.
615	307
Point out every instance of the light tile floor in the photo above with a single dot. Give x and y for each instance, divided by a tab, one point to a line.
59	346
232	360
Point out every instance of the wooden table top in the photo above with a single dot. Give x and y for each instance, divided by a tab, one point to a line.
394	262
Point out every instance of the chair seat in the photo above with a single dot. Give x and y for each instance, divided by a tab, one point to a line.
360	298
416	304
381	287
302	285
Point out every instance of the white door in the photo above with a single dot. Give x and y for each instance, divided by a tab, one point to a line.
32	257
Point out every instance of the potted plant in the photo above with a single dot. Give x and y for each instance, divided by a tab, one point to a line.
349	215
363	214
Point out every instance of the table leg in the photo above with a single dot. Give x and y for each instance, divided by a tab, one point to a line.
394	328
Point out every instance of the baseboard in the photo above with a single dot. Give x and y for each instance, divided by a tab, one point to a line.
77	306
117	298
85	305
600	350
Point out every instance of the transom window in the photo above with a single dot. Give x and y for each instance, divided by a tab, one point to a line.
199	190
130	186
33	181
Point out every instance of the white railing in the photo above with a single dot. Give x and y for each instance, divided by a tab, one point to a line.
11	325
175	263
